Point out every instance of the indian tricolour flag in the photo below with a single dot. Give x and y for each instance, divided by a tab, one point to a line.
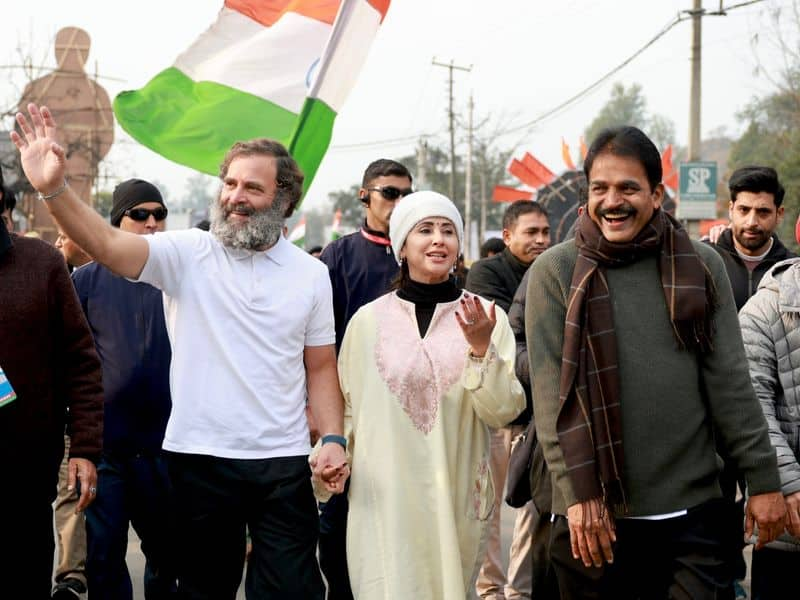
336	226
298	234
266	68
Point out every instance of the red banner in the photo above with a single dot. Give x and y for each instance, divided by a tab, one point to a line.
504	193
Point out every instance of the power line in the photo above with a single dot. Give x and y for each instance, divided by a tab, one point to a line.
680	17
723	9
598	82
386	142
567	102
80	73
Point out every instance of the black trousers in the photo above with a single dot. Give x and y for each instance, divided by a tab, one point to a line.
134	492
685	558
544	582
27	542
333	546
774	574
216	498
26	546
728	480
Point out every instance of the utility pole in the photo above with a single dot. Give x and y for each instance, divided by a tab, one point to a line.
697	13
450	67
482	176
468	185
422	163
695	87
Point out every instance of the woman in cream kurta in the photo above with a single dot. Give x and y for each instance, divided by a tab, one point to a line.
416	415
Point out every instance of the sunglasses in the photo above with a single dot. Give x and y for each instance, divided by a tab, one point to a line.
389	192
142	214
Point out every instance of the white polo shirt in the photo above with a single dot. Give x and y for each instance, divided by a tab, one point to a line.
238	322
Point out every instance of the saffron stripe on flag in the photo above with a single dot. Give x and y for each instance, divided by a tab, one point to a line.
269	12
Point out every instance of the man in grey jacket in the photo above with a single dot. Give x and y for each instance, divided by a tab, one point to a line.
771	332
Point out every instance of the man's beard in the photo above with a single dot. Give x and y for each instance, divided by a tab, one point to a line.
262	229
752	243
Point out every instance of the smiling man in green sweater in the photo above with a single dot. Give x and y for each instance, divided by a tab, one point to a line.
635	356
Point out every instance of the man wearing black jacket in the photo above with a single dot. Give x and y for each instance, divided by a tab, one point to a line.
749	248
526	233
128	324
361	267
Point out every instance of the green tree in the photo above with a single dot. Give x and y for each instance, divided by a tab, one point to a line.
102	202
661	130
772	121
488	170
772	138
198	192
628	106
347	201
165	192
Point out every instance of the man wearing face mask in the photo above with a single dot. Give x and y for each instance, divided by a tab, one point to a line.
127	322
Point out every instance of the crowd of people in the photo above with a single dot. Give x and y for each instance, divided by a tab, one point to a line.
605	385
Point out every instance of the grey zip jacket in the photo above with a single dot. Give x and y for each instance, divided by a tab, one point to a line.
771	332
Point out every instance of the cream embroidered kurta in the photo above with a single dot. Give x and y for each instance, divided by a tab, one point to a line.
416	416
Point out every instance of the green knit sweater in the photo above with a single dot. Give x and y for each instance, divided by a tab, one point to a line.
669	397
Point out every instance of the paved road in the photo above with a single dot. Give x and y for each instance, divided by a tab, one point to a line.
136	560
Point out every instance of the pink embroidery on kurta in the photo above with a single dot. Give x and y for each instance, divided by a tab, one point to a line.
418	371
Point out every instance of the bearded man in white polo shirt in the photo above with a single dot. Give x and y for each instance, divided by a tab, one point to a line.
250	321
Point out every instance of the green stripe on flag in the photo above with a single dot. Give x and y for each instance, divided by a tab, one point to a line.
196	123
311	137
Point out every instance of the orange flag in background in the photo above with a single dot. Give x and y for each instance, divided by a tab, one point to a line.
504	193
524	174
542	173
565	155
669	174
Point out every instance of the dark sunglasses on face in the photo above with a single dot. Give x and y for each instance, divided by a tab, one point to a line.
142	214
389	192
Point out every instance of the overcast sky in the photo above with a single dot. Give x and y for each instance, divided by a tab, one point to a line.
527	56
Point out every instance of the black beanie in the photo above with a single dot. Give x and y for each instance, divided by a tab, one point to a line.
130	193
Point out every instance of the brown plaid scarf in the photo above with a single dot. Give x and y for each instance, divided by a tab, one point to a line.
589	420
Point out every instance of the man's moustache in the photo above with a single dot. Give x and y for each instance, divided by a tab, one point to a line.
240	210
622	210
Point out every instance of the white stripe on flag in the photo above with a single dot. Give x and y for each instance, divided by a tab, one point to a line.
274	63
353	33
